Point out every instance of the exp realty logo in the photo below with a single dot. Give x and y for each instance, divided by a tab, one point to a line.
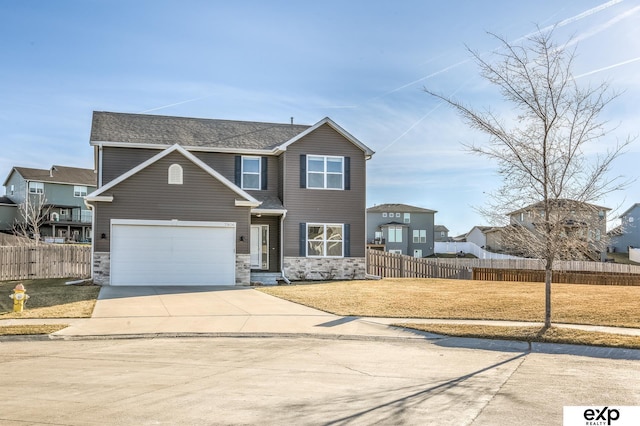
601	416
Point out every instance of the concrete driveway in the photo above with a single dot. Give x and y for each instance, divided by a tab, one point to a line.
213	310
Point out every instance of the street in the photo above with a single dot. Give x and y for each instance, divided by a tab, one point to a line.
305	381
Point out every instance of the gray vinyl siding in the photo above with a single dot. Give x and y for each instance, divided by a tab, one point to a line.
418	222
117	161
324	206
147	195
8	216
630	232
274	239
20	188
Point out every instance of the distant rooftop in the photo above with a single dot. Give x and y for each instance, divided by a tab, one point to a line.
58	174
398	208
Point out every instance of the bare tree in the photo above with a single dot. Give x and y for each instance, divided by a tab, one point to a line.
546	154
33	212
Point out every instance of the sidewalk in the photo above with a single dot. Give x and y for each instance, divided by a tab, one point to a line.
141	311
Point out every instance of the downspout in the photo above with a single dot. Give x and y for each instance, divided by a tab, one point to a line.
286	280
93	232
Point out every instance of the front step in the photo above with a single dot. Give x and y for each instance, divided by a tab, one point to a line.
265	278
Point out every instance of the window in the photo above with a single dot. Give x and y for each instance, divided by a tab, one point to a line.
521	216
79	191
175	174
395	251
407	218
251	173
442	234
325	240
420	236
598	234
324	172
397	214
383	214
395	234
36	188
13	188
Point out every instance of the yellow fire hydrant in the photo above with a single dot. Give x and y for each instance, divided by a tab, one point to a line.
19	297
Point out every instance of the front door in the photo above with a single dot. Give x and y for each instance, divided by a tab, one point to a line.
260	247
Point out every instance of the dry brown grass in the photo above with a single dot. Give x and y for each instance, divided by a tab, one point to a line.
13	330
532	334
49	299
458	299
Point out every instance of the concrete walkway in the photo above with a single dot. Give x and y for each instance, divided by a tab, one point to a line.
138	311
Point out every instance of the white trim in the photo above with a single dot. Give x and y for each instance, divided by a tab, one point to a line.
195	160
325	173
247	203
173	222
102	198
272	212
259	172
325	241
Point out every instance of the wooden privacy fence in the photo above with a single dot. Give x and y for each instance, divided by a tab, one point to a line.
44	261
388	265
559	277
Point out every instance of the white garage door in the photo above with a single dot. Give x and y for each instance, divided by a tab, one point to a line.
172	253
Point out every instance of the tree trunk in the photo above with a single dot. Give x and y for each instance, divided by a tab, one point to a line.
547	297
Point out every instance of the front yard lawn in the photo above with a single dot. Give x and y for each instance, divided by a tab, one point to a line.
458	299
482	300
50	298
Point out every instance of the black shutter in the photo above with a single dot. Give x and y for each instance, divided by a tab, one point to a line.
347	173
303	171
264	173
347	240
303	240
238	170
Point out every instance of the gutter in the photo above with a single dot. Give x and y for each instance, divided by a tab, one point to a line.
93	232
284	214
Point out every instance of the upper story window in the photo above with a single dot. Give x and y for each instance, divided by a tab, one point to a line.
407	218
79	191
384	215
13	188
325	240
521	216
36	188
325	172
175	174
251	173
395	234
420	236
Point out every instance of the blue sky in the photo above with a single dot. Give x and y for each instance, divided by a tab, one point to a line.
361	62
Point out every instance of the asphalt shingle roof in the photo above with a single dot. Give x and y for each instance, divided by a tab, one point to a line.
398	208
190	132
60	174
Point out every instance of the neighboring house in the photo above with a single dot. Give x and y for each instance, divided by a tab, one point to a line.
478	236
190	201
627	234
586	221
401	228
58	195
440	233
8	212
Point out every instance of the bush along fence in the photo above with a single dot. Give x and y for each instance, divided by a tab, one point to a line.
44	261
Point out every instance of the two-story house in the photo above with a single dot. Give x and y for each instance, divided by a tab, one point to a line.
440	233
55	197
193	201
627	234
401	228
581	221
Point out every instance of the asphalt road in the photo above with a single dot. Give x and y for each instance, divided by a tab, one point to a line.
305	381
